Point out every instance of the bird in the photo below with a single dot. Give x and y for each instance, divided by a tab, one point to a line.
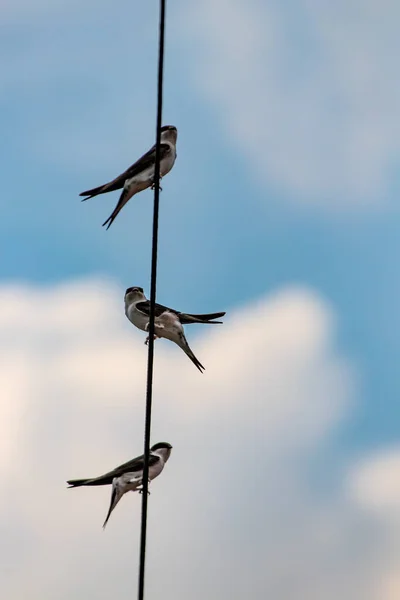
168	322
129	476
141	174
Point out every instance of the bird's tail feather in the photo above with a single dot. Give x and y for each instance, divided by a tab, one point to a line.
206	318
116	184
186	348
77	482
115	498
109	221
195	361
94	192
95	481
121	203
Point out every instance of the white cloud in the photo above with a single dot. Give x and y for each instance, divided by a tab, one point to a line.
239	509
308	92
376	484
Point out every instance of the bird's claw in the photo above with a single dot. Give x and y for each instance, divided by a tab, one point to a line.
148	339
140	488
153	187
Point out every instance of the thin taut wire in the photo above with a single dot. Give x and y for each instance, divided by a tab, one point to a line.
153	288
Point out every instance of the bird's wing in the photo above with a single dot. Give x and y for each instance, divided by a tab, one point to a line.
111	186
140	165
185	318
159	309
147	160
136	464
115	184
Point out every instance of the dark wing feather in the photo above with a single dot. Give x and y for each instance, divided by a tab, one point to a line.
136	464
132	466
185	318
144	307
147	160
140	165
115	184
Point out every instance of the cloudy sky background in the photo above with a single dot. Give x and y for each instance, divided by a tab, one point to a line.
282	209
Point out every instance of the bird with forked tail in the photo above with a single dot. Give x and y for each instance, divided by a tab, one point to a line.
141	174
168	322
129	476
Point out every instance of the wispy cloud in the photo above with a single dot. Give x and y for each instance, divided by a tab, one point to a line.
239	509
308	93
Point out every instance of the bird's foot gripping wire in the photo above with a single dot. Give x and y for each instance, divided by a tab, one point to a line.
153	186
140	489
148	339
160	325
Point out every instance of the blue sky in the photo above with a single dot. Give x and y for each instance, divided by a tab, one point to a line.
78	105
286	175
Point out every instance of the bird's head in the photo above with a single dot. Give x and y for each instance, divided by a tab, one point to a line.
163	449
134	294
169	133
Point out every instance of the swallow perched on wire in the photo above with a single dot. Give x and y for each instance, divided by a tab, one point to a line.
141	174
168	322
128	477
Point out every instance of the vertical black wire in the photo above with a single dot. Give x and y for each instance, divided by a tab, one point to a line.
153	288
